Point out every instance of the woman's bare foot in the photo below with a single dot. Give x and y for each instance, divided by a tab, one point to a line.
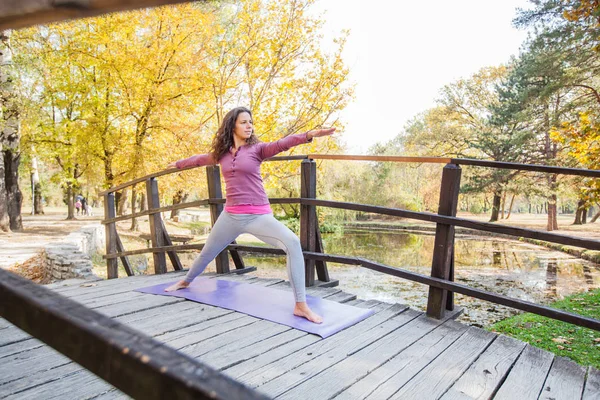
302	310
177	286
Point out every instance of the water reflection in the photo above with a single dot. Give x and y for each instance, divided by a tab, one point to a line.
511	268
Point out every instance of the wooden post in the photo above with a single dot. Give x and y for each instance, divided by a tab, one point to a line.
441	266
172	255
110	229
213	179
156	233
308	216
124	259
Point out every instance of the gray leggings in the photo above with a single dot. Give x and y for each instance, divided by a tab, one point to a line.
266	228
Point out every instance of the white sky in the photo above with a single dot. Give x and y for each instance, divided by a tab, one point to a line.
401	53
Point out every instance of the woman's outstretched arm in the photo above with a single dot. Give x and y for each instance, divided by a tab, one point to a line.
198	160
272	148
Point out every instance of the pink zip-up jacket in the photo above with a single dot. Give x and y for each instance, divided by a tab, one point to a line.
241	171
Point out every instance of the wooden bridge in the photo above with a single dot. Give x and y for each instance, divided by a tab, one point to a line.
216	353
398	353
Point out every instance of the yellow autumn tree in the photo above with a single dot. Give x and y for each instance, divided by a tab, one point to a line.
143	88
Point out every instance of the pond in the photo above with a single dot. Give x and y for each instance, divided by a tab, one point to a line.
508	267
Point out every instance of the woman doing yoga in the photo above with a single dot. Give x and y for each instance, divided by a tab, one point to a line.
237	149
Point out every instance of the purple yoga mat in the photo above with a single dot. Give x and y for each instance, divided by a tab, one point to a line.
267	303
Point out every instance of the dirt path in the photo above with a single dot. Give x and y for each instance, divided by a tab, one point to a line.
38	231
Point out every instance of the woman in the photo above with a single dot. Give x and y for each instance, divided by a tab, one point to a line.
237	149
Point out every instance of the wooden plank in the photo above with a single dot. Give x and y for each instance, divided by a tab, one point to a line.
526	379
274	363
487	373
304	340
110	230
124	259
173	257
86	384
21	14
113	394
356	364
433	380
182	338
155	219
38	378
40	359
342	297
444	240
565	380
228	357
213	181
592	385
528	167
308	227
321	266
382	378
435	160
96	285
313	364
247	333
465	223
160	210
19	347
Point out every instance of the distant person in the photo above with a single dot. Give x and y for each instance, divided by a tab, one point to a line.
78	206
84	206
247	209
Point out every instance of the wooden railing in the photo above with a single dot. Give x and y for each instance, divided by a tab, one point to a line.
441	280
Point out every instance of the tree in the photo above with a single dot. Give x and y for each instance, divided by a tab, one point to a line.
122	95
465	124
10	195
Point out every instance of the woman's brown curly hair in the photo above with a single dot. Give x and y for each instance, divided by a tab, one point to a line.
223	139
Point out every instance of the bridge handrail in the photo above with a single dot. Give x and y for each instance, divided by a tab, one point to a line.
399	159
440	282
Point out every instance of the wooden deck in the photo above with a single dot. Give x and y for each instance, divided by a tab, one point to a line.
398	353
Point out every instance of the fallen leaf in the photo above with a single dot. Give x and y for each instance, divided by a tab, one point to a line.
561	340
560	347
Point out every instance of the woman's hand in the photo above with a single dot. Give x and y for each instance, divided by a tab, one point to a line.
319	133
171	165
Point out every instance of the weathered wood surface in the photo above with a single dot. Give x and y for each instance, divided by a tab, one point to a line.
16	14
396	353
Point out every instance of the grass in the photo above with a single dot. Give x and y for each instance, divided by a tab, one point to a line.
582	345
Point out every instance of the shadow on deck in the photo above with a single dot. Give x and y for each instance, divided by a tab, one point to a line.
398	353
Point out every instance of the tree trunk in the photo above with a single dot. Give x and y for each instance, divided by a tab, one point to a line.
70	202
178	198
495	207
503	204
584	216
552	224
4	219
595	217
10	139
578	212
512	200
143	202
38	206
135	226
121	201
